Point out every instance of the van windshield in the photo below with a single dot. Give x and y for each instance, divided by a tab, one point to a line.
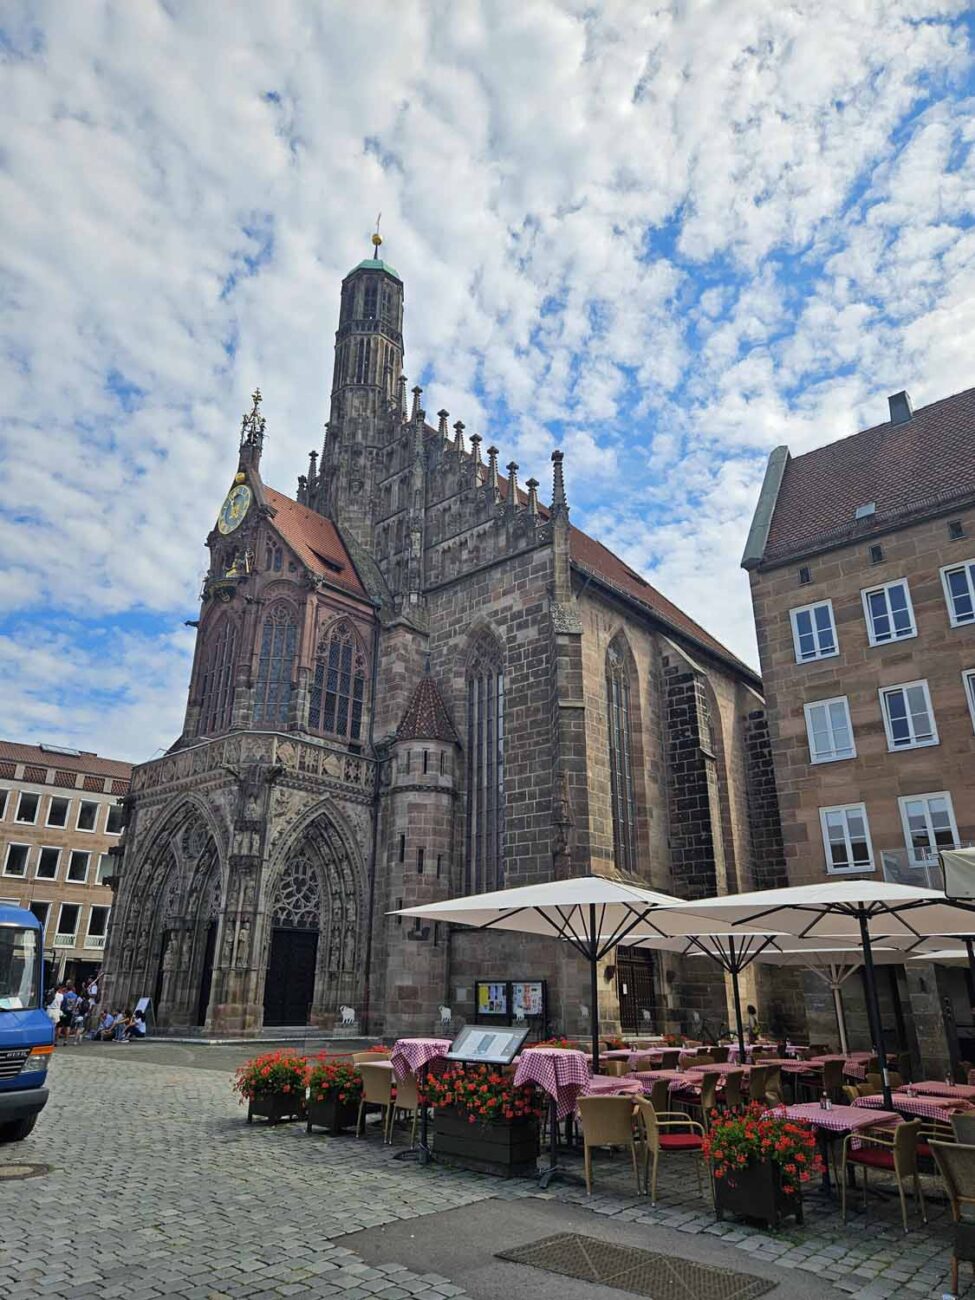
18	968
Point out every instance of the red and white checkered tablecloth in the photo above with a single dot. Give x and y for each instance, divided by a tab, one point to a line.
649	1077
931	1088
733	1052
560	1072
601	1085
698	1070
839	1119
936	1108
410	1055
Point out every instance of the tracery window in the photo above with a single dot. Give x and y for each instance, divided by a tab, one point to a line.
298	903
338	689
363	361
485	768
279	640
370	299
620	765
217	682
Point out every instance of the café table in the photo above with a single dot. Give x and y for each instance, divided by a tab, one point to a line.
414	1056
649	1077
835	1123
934	1088
609	1085
733	1052
939	1109
563	1073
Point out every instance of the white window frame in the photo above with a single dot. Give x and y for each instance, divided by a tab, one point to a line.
914	744
5	793
22	821
58	826
968	567
902	803
91	912
885	587
107	859
968	682
87	830
48	848
16	875
73	933
804	609
113	807
41	902
852	870
68	879
825	704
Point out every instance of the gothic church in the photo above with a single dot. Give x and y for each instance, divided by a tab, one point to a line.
414	680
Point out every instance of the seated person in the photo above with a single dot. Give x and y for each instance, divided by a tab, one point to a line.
103	1030
137	1027
121	1025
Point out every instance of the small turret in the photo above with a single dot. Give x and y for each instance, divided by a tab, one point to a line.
252	434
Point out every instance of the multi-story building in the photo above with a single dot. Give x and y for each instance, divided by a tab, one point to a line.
60	818
862	563
413	680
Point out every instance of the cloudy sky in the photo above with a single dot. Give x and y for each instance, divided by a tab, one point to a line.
664	237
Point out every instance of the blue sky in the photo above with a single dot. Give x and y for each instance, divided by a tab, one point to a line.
664	238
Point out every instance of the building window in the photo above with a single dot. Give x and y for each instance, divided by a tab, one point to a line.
805	577
959	585
47	864
67	925
97	927
104	868
419	862
339	685
41	911
87	815
16	861
888	612
116	816
402	848
956	529
908	716
78	866
3	803
370	299
279	639
27	808
929	825
620	765
968	681
814	632
485	768
829	730
846	838
57	812
876	554
217	681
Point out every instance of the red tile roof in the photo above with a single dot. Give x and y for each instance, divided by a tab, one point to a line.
56	758
920	465
315	540
595	558
426	716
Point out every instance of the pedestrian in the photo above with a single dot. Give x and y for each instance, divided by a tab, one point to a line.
68	1000
53	1009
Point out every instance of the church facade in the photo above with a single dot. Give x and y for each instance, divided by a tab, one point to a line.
415	679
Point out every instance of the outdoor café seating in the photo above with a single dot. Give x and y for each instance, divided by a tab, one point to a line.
891	1151
963	1128
660	1135
956	1161
377	1090
607	1122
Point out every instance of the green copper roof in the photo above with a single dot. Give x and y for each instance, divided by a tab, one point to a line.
372	264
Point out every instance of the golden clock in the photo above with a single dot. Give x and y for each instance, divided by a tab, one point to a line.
235	507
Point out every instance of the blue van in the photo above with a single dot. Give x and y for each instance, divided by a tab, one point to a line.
26	1032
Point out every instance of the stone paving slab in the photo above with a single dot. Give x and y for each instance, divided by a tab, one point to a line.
159	1188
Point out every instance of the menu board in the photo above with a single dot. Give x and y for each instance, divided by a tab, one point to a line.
492	999
493	1046
526	999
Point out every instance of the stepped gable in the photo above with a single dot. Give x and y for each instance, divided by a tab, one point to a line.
315	540
426	716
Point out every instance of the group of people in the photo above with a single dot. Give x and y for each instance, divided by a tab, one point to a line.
73	1015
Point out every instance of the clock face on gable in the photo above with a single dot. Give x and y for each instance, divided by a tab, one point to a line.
235	506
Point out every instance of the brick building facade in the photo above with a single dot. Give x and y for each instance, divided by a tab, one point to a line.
863	584
414	680
60	825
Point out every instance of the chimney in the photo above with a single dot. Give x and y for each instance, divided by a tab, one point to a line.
901	409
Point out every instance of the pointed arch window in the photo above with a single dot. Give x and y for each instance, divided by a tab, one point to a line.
279	641
339	686
620	764
217	682
485	768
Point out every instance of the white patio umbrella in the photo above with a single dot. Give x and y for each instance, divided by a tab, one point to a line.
591	913
844	910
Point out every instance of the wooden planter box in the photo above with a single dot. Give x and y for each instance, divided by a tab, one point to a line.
506	1148
331	1114
277	1107
757	1194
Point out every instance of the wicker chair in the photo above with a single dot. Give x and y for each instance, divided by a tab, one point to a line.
731	1099
719	1054
891	1151
670	1058
607	1122
359	1057
773	1085
406	1102
377	1090
658	1135
660	1094
756	1082
615	1067
963	1128
707	1100
639	1063
956	1163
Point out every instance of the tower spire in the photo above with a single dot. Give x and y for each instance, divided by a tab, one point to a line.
559	504
252	433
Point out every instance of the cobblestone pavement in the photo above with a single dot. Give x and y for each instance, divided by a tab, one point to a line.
157	1187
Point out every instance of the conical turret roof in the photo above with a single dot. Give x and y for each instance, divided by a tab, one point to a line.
426	716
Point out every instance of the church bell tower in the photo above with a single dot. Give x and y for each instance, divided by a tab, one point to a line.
365	394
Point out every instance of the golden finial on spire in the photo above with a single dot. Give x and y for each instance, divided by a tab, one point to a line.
377	238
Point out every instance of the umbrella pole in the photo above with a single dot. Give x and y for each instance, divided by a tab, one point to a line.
873	1006
840	1016
594	987
737	994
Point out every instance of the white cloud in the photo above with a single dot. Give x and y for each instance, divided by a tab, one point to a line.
670	237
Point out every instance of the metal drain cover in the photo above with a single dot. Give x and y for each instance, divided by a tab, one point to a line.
641	1272
23	1171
